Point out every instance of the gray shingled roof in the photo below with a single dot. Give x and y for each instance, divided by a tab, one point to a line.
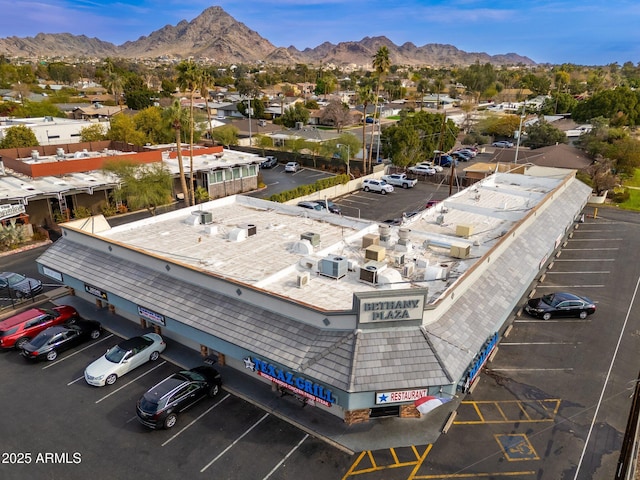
366	360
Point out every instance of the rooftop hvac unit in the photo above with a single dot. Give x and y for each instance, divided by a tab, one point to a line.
375	253
314	238
435	272
460	250
35	155
238	234
206	218
440	219
464	231
303	279
369	273
302	246
250	228
193	219
408	270
334	266
398	260
370	239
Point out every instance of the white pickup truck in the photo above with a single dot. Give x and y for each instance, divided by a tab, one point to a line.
400	180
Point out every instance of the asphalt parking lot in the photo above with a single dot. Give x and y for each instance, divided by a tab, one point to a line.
56	426
553	402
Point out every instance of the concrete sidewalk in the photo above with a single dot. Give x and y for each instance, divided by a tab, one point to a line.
376	434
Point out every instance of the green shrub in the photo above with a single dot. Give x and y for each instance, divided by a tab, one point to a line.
620	195
81	212
109	210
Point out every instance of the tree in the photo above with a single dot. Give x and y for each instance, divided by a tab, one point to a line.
92	133
415	138
365	97
206	81
337	114
543	134
477	78
113	81
150	122
143	185
188	79
294	114
609	104
381	65
499	125
225	135
123	129
19	136
175	116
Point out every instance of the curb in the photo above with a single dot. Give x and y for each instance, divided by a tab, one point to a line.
25	248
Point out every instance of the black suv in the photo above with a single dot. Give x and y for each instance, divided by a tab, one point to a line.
159	407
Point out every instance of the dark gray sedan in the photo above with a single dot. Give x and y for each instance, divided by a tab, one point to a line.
19	285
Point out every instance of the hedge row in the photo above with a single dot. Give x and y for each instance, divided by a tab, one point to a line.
304	190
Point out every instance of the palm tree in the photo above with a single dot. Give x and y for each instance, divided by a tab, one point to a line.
176	116
113	81
365	97
188	79
381	65
205	82
438	86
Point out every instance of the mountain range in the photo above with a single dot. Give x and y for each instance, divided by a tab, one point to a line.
217	36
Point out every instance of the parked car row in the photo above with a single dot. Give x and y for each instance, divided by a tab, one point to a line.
42	334
321	205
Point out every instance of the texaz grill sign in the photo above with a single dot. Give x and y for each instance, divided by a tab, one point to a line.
290	381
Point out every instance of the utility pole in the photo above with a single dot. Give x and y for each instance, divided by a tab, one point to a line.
519	133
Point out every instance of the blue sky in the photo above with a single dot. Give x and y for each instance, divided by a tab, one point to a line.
584	32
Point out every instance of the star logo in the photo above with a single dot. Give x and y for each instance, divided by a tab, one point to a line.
248	363
382	398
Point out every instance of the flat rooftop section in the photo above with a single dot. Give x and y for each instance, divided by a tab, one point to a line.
317	258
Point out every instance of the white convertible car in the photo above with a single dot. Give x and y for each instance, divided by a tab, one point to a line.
123	358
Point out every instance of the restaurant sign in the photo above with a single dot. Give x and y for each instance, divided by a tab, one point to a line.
291	381
152	316
384	398
11	210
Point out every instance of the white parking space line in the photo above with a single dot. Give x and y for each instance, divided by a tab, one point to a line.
129	383
583	260
234	442
197	418
578	271
574	239
515	369
588	249
286	456
568	320
76	380
503	344
569	286
76	352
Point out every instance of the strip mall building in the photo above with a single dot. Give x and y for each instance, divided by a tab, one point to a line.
357	318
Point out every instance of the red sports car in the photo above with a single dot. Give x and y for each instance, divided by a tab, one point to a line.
16	331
